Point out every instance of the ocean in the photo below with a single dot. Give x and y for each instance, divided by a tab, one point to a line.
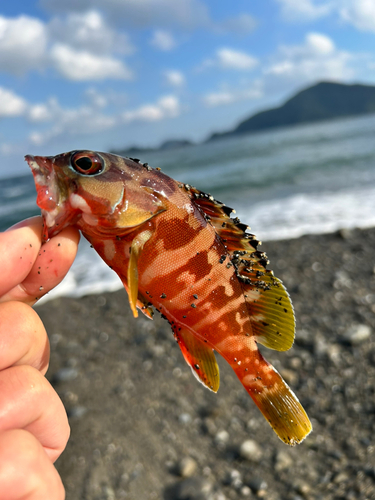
284	183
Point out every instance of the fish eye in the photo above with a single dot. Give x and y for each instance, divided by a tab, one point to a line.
86	163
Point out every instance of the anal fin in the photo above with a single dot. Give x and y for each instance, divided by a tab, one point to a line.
201	358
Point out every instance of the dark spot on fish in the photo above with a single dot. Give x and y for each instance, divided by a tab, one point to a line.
196	367
163	296
193	305
222	258
147	293
195	295
286	310
184	316
118	238
137	160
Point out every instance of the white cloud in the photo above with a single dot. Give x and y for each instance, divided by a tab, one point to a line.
163	40
141	13
304	10
174	78
359	13
165	107
23	43
96	99
38	113
27	43
89	31
317	58
83	65
229	96
11	104
82	120
227	58
165	14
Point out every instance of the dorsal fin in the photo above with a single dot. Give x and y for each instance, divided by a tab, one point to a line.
270	309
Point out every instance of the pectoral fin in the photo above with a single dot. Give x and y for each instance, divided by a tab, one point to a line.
135	251
201	359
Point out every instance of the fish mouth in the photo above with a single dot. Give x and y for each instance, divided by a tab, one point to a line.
41	167
48	196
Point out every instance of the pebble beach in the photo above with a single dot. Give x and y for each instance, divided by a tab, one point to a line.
142	427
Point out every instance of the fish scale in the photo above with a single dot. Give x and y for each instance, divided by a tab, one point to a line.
177	249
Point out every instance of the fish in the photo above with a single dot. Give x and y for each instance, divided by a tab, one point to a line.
179	251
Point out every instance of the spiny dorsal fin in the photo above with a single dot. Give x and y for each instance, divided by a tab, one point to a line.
270	309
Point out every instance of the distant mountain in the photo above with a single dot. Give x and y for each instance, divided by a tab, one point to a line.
323	101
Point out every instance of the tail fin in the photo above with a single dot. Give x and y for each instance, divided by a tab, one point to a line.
272	395
284	412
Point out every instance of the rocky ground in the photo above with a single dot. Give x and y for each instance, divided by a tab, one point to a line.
144	428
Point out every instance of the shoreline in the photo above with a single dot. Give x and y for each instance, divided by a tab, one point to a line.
137	413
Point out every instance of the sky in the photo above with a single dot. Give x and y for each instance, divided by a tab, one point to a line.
110	74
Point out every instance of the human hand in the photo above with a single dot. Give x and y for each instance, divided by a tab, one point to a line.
34	427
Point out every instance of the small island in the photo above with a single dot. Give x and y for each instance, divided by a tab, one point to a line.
323	101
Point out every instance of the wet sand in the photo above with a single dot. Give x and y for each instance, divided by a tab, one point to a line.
144	428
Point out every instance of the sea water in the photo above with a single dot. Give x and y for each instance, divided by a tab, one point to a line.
314	178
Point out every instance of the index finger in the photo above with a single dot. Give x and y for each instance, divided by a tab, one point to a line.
19	246
33	270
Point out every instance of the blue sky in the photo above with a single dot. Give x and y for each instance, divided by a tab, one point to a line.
104	74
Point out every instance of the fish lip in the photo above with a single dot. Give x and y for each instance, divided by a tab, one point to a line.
40	164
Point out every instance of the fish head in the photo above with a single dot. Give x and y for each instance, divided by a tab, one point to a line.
100	193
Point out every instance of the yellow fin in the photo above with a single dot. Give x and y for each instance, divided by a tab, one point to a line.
201	358
271	314
136	248
285	414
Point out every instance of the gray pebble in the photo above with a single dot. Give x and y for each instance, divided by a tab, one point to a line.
65	375
283	461
193	488
250	450
222	437
77	412
257	484
357	334
186	467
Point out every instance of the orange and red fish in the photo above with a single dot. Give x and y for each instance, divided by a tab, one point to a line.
177	250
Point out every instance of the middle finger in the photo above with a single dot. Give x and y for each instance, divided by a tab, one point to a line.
23	338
